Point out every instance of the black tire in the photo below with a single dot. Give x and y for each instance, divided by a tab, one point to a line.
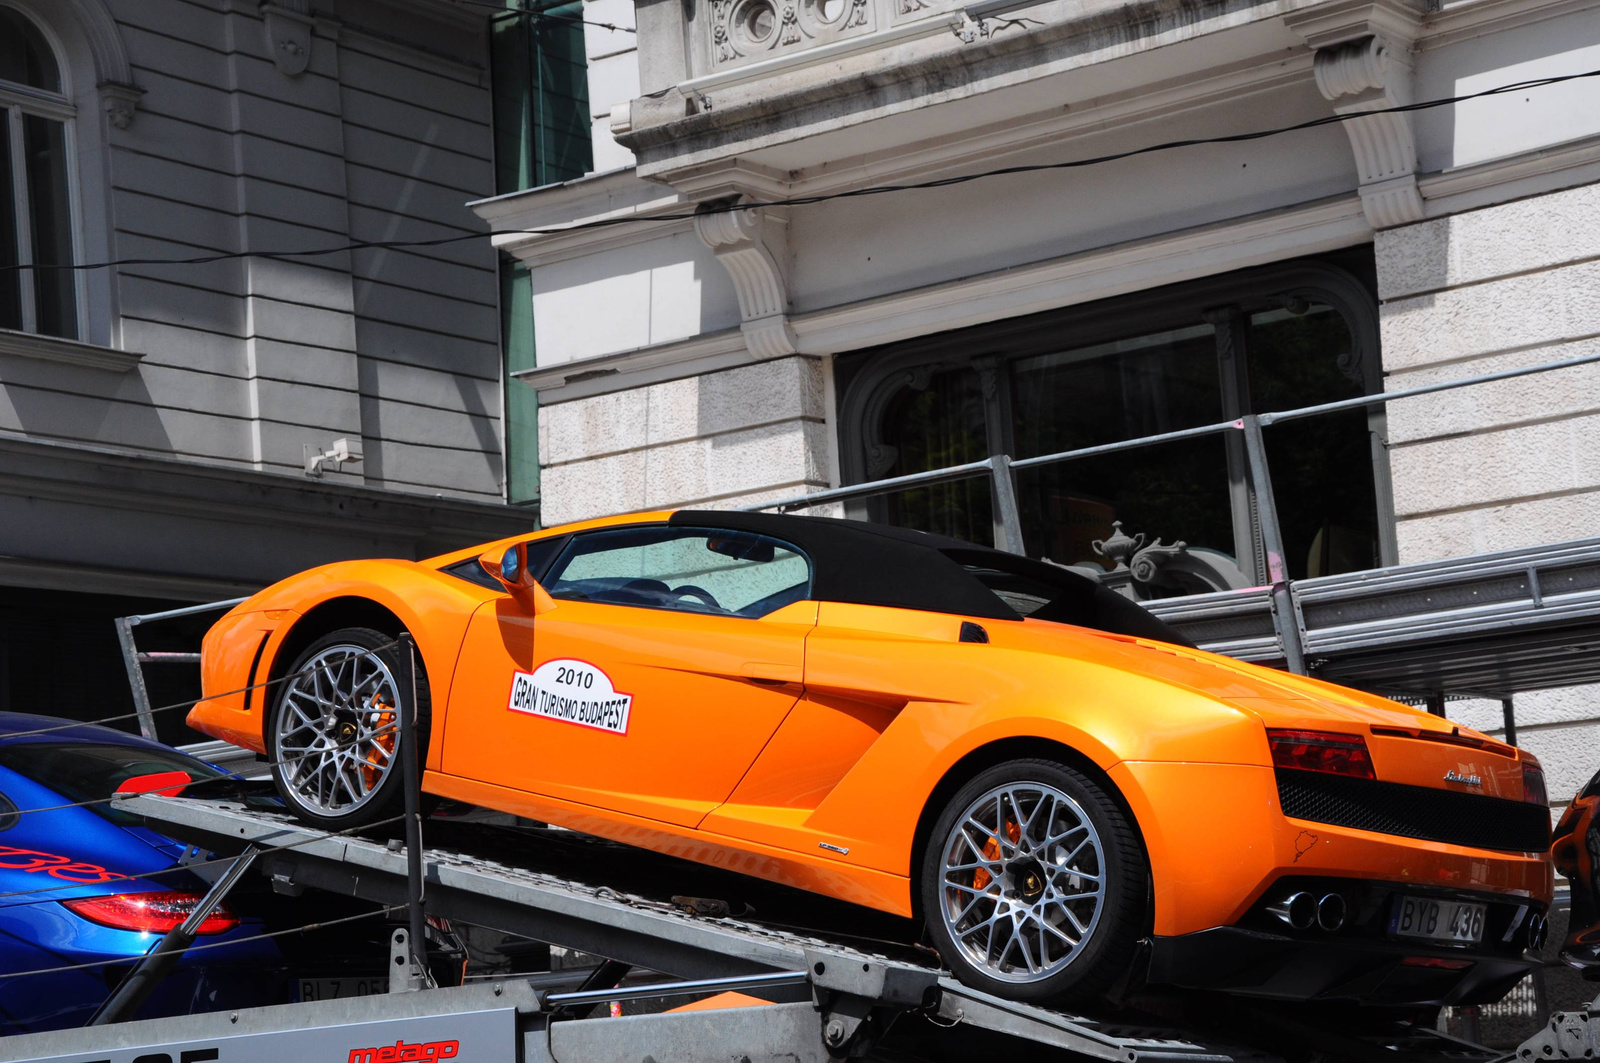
1025	884
382	782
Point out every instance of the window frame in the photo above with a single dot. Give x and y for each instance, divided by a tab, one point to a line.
1225	302
17	100
676	531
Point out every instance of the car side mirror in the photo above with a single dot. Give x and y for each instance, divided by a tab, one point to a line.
510	568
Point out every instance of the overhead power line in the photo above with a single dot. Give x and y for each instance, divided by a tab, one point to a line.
536	14
854	193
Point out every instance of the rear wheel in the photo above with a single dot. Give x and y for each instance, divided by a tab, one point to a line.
1033	883
334	735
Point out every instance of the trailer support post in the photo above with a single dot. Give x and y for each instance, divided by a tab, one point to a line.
413	808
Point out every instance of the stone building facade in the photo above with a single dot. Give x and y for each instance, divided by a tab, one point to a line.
156	420
723	359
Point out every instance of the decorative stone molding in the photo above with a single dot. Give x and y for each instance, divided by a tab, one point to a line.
66	352
289	27
1363	63
119	101
744	31
751	245
1368	74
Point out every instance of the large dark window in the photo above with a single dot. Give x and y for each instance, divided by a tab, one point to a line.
35	204
541	134
1263	340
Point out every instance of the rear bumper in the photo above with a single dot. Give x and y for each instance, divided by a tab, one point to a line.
1218	841
1357	961
1258	963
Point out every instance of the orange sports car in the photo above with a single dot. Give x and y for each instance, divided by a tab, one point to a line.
1040	771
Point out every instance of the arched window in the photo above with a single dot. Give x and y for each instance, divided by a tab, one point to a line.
36	226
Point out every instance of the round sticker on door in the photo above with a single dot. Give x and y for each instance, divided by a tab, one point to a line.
571	691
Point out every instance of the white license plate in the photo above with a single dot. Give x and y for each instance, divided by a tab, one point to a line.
1431	920
334	988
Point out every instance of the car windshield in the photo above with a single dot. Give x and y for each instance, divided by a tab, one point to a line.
89	771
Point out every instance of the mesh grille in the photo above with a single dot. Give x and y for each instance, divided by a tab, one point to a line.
1414	811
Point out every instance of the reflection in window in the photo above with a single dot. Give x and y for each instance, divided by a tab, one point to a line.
696	570
1261	350
937	422
1321	466
35	209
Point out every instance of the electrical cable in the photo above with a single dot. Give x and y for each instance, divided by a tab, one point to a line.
175	705
800	201
390	729
536	15
221	944
180	868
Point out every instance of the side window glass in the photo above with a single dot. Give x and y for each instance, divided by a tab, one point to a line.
694	570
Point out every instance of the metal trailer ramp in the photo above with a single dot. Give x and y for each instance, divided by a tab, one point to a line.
902	1010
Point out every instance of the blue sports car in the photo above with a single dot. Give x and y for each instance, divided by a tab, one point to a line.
86	891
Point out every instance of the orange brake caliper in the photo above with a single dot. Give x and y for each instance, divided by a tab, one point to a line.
372	768
991	851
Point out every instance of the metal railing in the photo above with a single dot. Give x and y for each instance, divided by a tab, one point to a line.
1001	469
134	659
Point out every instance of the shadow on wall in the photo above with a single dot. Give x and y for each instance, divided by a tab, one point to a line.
94	406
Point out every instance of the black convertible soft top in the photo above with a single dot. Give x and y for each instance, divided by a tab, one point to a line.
876	564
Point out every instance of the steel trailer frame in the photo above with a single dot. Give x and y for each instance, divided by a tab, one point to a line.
854	995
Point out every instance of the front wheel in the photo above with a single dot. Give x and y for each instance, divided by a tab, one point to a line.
334	733
1033	883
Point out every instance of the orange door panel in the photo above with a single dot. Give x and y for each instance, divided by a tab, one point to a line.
651	712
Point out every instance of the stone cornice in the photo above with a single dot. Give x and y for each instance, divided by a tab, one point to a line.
609	196
1077	278
66	352
124	479
731	114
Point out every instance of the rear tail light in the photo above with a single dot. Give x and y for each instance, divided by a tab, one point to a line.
1336	754
1533	790
154	913
163	783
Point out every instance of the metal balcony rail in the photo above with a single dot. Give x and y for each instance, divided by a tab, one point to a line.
1286	635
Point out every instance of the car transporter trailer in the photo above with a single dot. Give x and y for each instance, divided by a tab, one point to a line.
834	999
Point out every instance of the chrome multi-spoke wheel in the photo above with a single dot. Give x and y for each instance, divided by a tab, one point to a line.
336	730
1024	881
1033	882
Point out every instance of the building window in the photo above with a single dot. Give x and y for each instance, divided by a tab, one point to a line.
35	190
1262	340
541	127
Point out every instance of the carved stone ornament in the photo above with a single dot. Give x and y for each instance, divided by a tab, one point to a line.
742	31
120	102
751	246
289	29
1373	73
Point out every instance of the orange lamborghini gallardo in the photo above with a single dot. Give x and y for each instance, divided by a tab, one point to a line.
1059	788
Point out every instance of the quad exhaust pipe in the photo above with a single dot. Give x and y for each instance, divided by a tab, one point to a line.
1302	911
1538	928
1330	912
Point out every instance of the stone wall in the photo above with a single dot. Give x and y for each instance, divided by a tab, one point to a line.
718	440
1509	464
